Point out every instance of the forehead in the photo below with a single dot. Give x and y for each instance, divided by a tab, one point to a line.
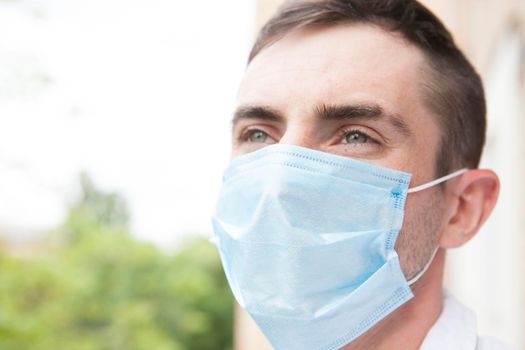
336	65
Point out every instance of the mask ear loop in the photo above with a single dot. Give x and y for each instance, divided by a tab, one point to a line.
424	269
437	181
421	188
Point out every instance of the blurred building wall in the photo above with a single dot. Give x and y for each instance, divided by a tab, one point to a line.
488	274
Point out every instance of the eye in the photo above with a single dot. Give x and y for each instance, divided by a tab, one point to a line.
355	137
257	136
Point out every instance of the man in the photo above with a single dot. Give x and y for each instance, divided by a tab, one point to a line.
326	239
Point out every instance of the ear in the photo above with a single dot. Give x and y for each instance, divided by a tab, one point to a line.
470	200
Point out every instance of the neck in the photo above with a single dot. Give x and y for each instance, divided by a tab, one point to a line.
407	327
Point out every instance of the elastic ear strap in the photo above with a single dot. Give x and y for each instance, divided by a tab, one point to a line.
424	269
437	181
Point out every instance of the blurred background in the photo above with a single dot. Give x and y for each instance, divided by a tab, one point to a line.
114	130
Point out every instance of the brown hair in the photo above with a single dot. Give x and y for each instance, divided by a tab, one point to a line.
453	90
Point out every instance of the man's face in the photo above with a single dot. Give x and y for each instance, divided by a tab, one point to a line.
354	91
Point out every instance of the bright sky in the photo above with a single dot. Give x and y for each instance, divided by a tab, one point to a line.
138	93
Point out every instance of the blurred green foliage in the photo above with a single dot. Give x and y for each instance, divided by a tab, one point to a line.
94	287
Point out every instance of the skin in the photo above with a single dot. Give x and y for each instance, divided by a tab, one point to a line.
289	84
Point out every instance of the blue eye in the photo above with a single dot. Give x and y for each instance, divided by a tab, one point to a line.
258	136
354	137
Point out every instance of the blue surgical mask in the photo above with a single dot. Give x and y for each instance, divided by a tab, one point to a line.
307	241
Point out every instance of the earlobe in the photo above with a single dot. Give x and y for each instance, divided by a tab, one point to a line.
471	200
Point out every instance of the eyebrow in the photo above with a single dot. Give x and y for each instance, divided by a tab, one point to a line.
362	111
358	111
256	112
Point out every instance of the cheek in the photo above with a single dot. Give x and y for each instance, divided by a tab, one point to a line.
422	226
235	153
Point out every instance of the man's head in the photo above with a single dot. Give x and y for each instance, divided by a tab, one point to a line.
382	82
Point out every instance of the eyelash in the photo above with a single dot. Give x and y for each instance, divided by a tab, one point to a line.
245	135
346	131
